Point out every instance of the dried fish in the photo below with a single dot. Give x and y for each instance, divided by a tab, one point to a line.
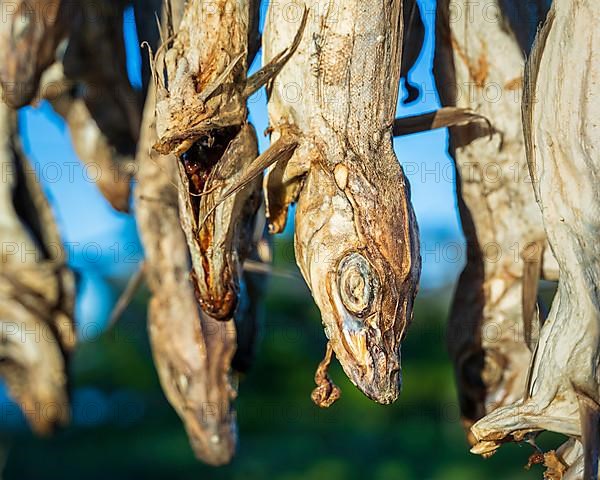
103	111
223	240
192	351
202	117
37	291
29	37
331	111
561	135
88	86
111	170
494	310
198	357
95	59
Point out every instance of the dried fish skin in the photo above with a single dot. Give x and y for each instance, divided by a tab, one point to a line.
217	200
363	272
563	393
29	37
493	316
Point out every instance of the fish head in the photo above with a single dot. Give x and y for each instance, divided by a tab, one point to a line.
193	358
358	252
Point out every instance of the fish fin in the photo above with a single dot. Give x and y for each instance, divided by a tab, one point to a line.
441	118
269	71
262	268
281	188
532	68
220	80
532	268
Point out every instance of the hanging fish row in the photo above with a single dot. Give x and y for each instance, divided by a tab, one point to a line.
204	205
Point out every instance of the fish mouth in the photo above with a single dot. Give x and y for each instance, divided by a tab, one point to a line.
215	446
375	373
382	389
219	303
223	307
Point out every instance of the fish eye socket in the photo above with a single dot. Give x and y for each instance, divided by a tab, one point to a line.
356	283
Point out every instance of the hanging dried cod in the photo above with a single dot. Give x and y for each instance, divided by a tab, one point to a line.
479	66
331	111
110	169
37	291
30	34
95	59
88	87
103	110
202	118
561	117
194	353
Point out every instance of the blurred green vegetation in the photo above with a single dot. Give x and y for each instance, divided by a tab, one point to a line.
283	436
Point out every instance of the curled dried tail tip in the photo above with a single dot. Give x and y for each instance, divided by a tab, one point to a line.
326	393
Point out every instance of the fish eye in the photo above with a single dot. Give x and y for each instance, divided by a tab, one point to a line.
357	283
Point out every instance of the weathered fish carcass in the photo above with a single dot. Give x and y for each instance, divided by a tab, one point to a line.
202	119
192	351
560	119
331	110
197	356
37	291
479	66
73	55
